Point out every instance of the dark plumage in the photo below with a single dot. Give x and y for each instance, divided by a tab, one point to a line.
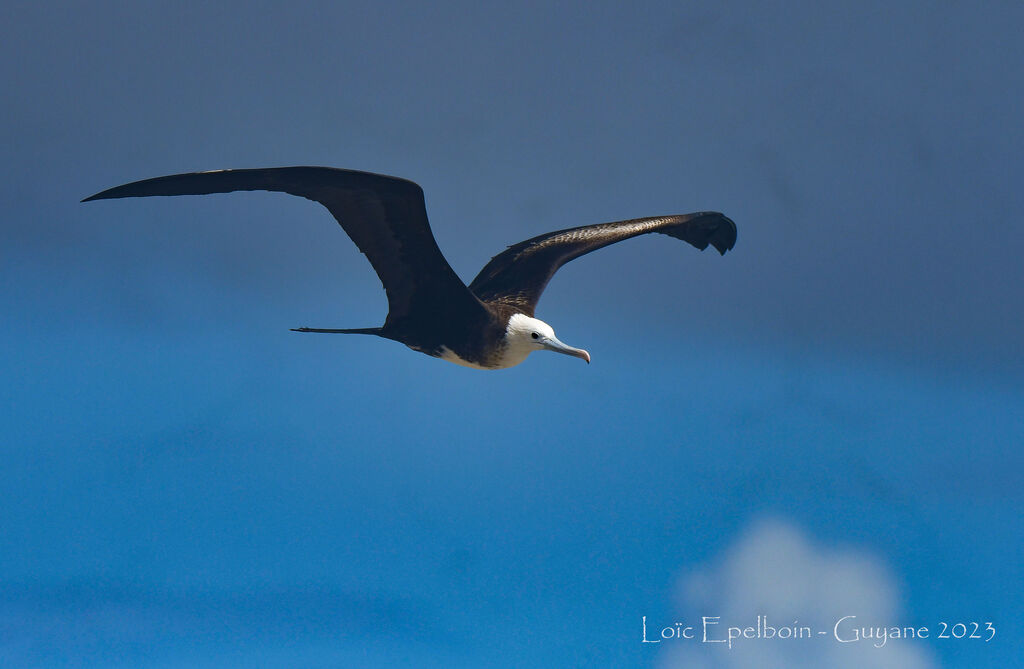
518	276
490	324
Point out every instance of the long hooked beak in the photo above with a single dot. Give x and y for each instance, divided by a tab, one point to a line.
552	344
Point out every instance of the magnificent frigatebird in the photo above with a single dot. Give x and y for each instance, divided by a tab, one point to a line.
490	324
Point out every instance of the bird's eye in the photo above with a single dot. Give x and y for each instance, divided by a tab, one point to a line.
535	335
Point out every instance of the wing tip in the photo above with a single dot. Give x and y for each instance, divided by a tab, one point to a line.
712	228
724	237
109	194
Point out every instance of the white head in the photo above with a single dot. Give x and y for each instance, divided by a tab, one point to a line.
524	335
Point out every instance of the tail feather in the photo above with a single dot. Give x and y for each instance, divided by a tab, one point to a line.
366	331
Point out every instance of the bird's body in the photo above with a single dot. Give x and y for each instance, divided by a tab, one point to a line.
488	325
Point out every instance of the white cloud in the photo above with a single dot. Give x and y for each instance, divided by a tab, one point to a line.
775	571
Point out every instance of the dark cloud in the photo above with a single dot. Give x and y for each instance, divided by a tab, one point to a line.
868	165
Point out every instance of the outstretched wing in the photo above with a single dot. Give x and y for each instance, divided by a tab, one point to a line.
517	277
385	216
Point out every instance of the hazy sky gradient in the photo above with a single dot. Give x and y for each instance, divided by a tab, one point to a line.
187	483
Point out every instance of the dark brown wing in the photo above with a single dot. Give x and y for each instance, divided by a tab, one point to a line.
385	216
517	277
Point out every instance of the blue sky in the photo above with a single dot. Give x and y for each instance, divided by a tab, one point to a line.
187	483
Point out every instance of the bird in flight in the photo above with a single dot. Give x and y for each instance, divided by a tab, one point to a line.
487	325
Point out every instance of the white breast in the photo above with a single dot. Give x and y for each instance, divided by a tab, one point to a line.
450	356
510	357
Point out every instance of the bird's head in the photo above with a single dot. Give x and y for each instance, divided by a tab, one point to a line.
525	335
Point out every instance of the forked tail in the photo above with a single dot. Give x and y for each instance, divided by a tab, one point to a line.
366	331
